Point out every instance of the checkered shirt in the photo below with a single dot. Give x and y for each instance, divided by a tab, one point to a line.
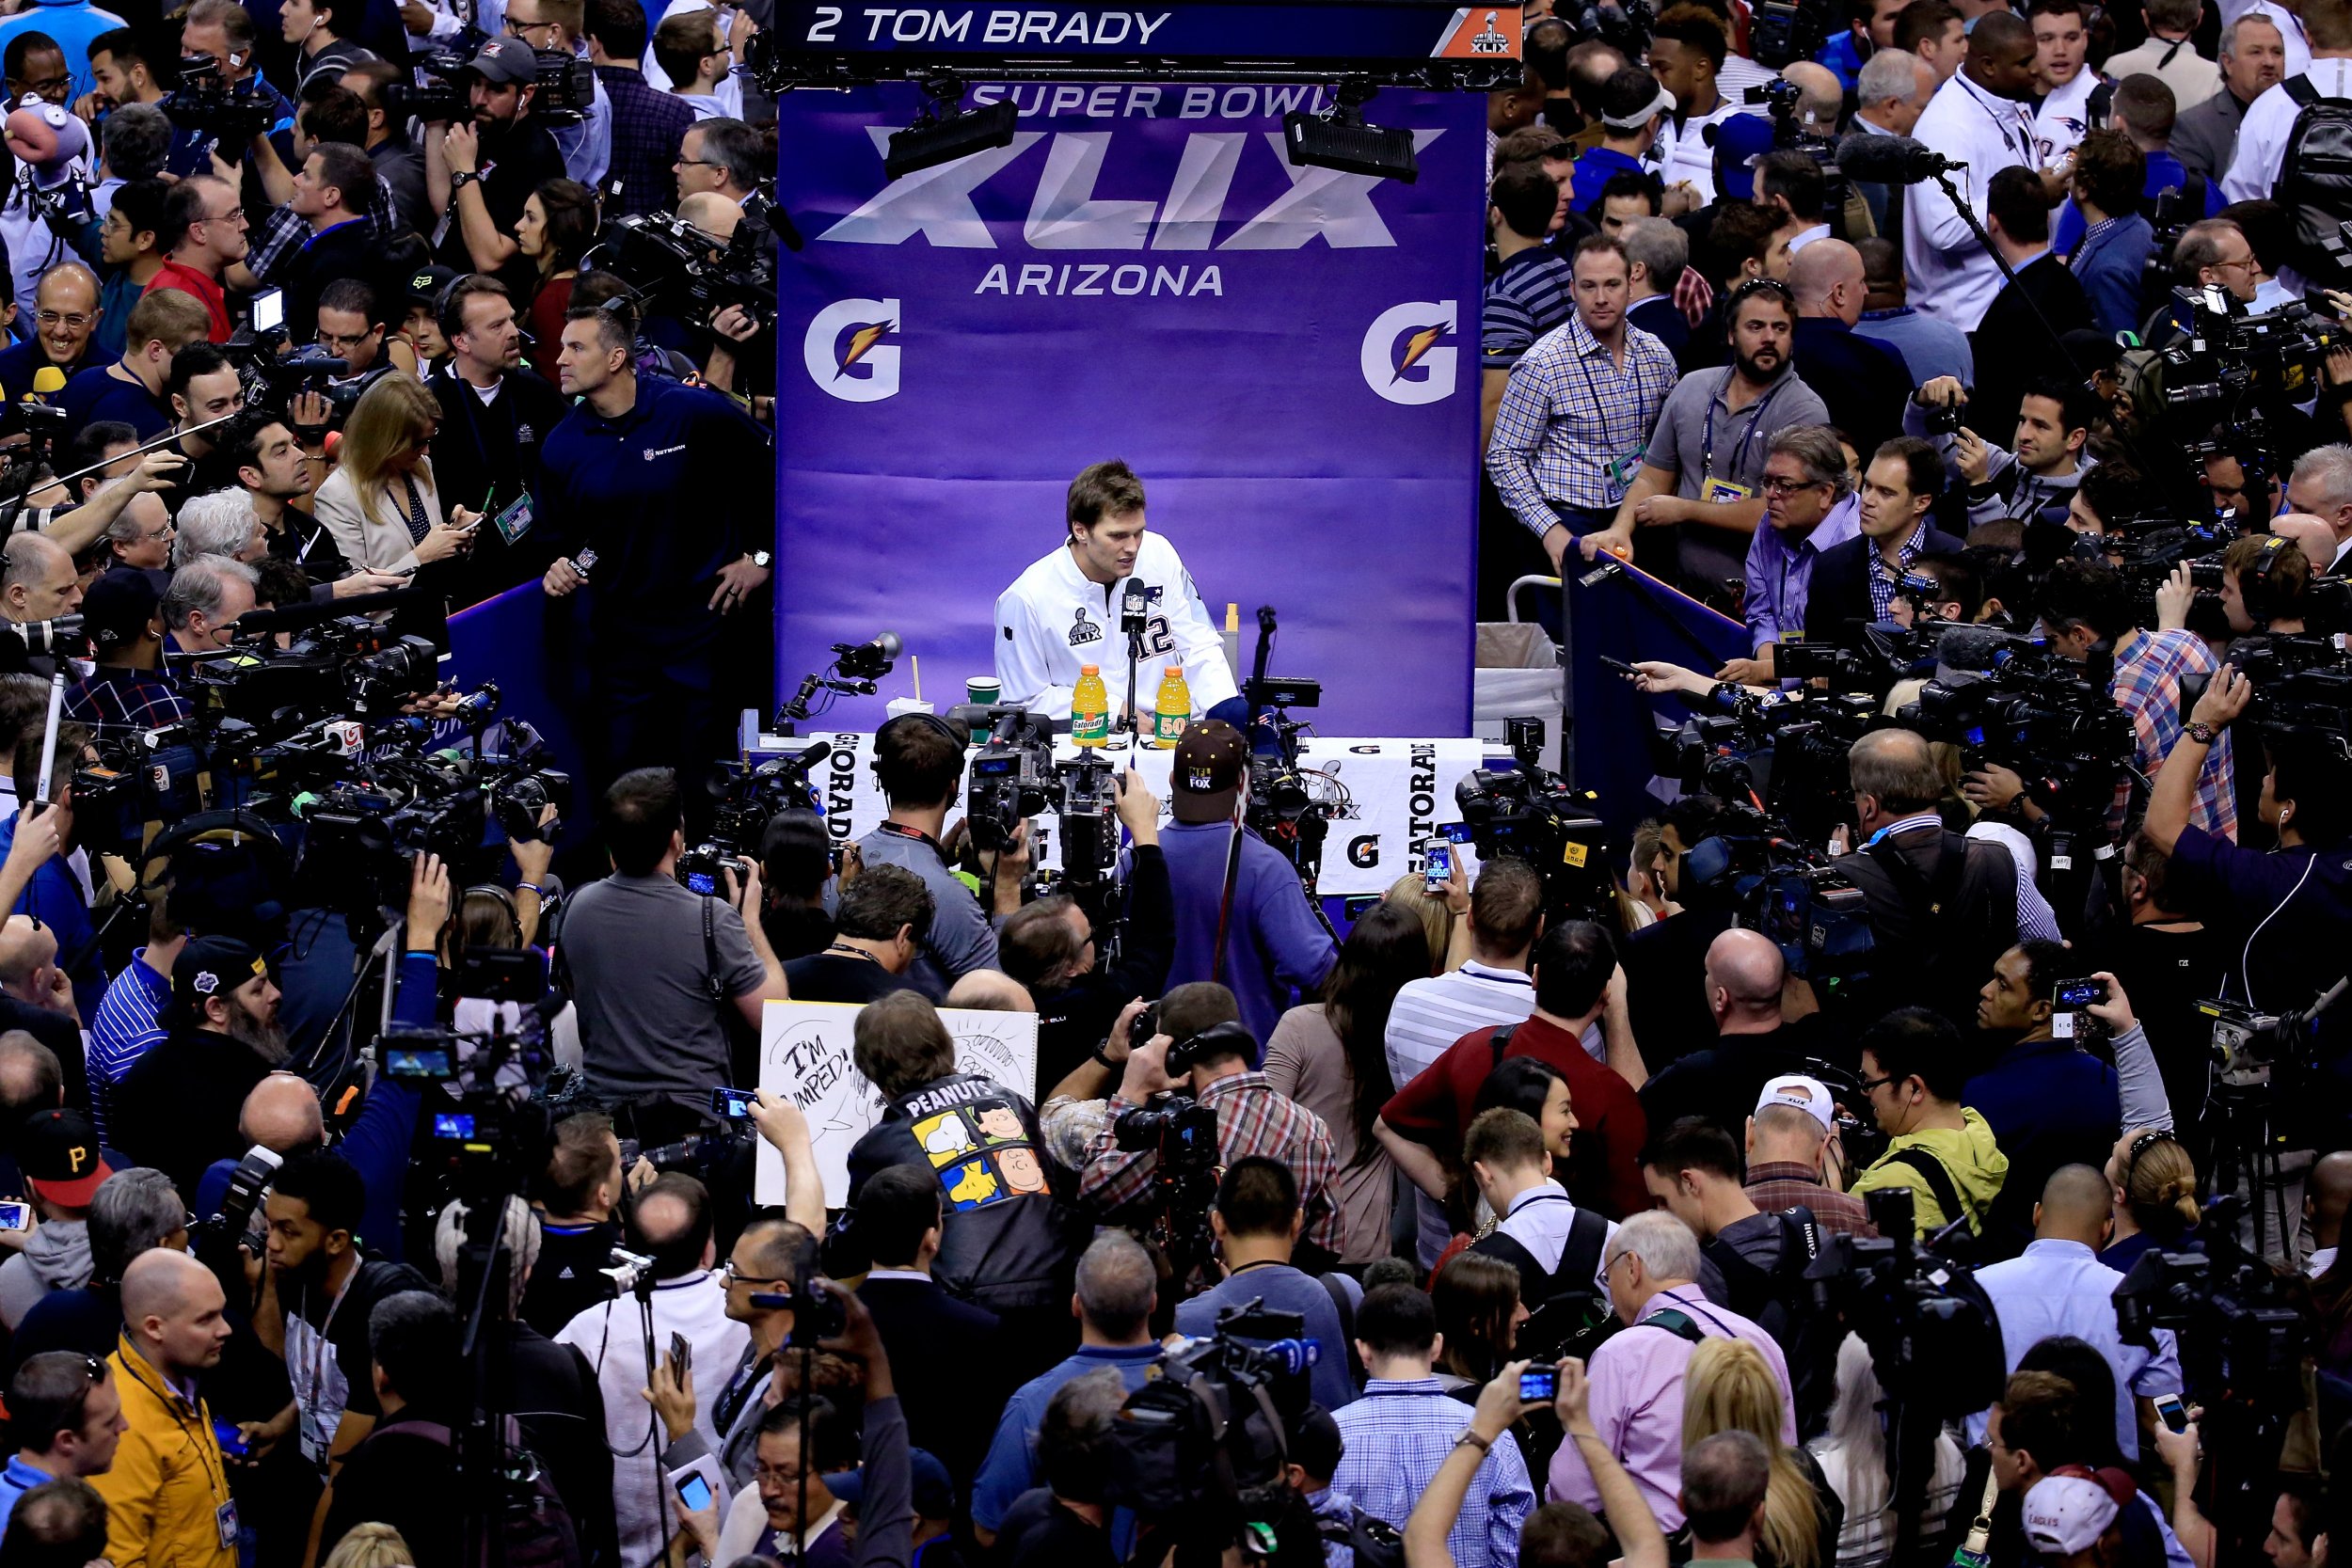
1884	581
1567	413
120	703
1778	1184
284	232
1253	1117
2146	686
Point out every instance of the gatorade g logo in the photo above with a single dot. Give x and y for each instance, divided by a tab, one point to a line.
851	350
1407	357
1364	851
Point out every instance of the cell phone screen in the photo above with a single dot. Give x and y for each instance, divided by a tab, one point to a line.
2174	1413
15	1216
693	1492
1539	1382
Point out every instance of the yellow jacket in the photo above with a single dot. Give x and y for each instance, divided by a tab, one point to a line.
169	1482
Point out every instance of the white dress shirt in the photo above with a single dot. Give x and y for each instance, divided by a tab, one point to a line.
1541	1219
2261	138
1953	277
2062	1287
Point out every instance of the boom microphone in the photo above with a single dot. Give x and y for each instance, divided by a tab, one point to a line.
1891	160
1979	648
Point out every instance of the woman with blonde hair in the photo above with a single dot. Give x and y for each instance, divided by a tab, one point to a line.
380	502
1435	911
1729	1386
2155	1196
371	1547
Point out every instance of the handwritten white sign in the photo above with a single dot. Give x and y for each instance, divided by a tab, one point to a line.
805	1056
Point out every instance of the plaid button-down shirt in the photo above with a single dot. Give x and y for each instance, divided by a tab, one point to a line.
284	232
1253	1117
647	127
1778	1184
1568	413
2146	686
1394	1439
1885	580
119	702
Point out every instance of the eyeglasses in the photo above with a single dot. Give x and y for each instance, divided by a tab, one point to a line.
1775	486
683	162
47	85
728	1271
1871	1086
518	30
73	318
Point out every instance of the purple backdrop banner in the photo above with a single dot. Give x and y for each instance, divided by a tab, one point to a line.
1288	358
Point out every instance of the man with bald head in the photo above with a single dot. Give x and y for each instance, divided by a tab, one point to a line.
2326	1198
168	1503
1823	97
1864	385
281	1114
38	582
1948	944
65	322
2059	1287
1743	977
671	1224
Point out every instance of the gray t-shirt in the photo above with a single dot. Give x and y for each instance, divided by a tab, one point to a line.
641	976
961	939
1702	442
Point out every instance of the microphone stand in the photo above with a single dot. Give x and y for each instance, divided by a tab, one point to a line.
1134	616
1960	205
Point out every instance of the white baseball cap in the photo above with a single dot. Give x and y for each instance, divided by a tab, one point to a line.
1809	1095
2067	1514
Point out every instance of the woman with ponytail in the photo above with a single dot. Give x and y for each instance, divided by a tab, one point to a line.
2155	1197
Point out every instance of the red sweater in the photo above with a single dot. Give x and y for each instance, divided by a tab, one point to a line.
190	281
1604	1171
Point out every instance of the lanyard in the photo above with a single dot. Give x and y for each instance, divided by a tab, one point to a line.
216	1482
1608	437
1999	124
316	1369
1756	417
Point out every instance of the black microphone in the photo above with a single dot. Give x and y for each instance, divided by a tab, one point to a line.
1134	604
1891	160
801	761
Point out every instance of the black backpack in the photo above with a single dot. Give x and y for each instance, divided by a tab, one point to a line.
535	1529
2314	181
1781	1302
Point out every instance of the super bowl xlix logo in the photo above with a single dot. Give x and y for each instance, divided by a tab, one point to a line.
1492	40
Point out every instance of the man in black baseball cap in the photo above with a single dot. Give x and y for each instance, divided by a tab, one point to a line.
57	1150
1274	939
126	691
483	170
177	1109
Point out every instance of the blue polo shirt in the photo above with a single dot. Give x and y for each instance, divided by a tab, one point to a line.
1594	169
16	1480
1011	1465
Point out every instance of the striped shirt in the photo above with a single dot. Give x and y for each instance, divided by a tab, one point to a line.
1885	580
1532	295
125	1027
1394	1440
1570	415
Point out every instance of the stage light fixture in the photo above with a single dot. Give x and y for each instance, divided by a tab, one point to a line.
948	131
1339	138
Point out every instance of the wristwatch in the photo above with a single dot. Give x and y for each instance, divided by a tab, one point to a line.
761	559
1470	1434
463	177
2202	733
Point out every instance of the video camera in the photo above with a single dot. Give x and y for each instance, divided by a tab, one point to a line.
1787	31
2302	685
2233	359
484	1087
1200	1450
562	94
1012	777
1625	27
1527	811
672	264
1776	883
1783	752
746	800
209	103
1289	806
2047	717
349	664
